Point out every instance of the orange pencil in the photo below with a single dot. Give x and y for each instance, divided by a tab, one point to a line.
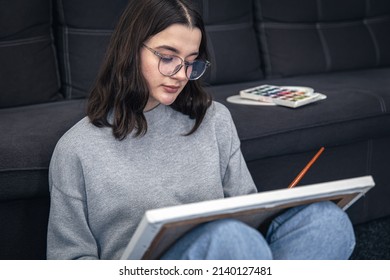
304	170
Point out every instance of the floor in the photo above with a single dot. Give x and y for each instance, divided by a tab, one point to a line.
373	240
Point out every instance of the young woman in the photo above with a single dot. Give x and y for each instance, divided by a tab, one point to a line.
154	138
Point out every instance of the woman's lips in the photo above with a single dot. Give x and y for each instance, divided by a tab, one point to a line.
171	89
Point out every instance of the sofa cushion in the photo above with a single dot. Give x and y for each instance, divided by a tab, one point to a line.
313	36
28	71
84	29
357	108
233	48
26	146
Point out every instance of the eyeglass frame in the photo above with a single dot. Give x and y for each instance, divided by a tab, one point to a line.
183	63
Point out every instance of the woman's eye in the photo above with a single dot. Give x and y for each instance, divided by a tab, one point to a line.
166	59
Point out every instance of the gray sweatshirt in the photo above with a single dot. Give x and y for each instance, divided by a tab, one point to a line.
100	187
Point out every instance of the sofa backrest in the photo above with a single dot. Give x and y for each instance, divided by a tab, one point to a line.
311	36
233	47
28	64
83	30
52	49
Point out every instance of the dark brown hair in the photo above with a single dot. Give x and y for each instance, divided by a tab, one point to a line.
120	87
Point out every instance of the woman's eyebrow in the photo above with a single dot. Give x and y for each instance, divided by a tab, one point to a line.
168	48
174	50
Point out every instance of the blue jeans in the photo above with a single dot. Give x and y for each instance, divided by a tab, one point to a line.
316	231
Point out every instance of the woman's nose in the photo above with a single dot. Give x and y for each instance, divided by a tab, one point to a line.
181	74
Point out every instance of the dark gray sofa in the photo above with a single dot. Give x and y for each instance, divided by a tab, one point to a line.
50	52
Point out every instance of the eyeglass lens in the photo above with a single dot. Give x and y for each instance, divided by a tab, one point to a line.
170	65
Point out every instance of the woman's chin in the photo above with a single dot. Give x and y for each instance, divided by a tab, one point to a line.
167	100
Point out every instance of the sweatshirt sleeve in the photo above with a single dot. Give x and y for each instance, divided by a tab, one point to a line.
236	178
69	235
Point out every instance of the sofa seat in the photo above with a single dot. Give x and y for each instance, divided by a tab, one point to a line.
357	107
26	145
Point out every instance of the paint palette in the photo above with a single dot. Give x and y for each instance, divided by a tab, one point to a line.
289	96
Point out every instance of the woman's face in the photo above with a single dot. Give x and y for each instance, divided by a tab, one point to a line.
179	40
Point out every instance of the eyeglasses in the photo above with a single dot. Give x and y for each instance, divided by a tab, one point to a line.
169	65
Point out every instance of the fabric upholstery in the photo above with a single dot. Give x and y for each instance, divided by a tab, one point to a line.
313	36
26	145
235	55
357	107
83	31
24	229
28	66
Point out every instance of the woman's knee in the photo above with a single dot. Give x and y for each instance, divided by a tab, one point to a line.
329	212
316	231
332	221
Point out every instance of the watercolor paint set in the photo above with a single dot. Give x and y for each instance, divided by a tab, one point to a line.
289	96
